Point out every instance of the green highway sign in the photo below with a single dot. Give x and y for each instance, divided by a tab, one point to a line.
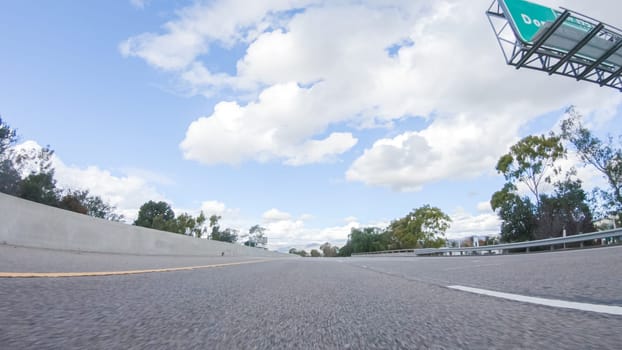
561	41
526	18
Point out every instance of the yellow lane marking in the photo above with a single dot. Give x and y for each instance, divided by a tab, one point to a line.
112	273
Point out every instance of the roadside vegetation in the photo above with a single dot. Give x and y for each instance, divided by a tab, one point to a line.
529	212
29	174
539	199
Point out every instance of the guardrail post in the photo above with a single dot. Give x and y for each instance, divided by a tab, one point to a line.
527	250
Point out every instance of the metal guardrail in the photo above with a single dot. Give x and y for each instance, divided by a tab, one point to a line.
504	247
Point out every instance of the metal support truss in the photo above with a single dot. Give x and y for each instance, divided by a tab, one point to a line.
570	61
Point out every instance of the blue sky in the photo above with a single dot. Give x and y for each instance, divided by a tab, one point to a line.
307	117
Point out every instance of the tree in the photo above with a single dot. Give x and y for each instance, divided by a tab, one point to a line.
565	210
8	137
346	250
530	161
255	236
83	202
423	227
604	156
9	176
186	224
200	229
517	214
157	215
315	253
328	250
368	239
227	235
72	203
96	207
39	185
35	160
213	224
40	188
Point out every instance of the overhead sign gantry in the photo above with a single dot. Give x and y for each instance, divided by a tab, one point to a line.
558	42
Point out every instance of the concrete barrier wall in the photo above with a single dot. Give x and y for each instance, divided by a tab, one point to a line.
30	224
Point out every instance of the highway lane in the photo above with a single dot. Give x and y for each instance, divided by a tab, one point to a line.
356	303
587	275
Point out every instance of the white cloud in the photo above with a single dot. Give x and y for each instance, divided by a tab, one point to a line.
464	224
199	25
126	192
450	148
139	4
213	208
483	103
483	207
229	217
284	231
283	235
317	151
275	215
308	72
306	217
263	130
350	219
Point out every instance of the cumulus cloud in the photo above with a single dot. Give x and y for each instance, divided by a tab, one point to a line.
465	224
452	147
314	73
213	208
482	104
309	69
263	130
188	36
483	207
275	215
127	192
350	219
139	4
284	231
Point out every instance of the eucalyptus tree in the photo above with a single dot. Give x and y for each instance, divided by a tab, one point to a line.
604	156
422	227
532	162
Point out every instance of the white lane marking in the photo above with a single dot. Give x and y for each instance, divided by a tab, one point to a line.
603	309
469	267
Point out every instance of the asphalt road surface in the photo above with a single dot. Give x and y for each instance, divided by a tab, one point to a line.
312	303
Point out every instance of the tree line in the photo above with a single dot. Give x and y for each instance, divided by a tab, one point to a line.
160	216
423	227
526	209
29	174
326	250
